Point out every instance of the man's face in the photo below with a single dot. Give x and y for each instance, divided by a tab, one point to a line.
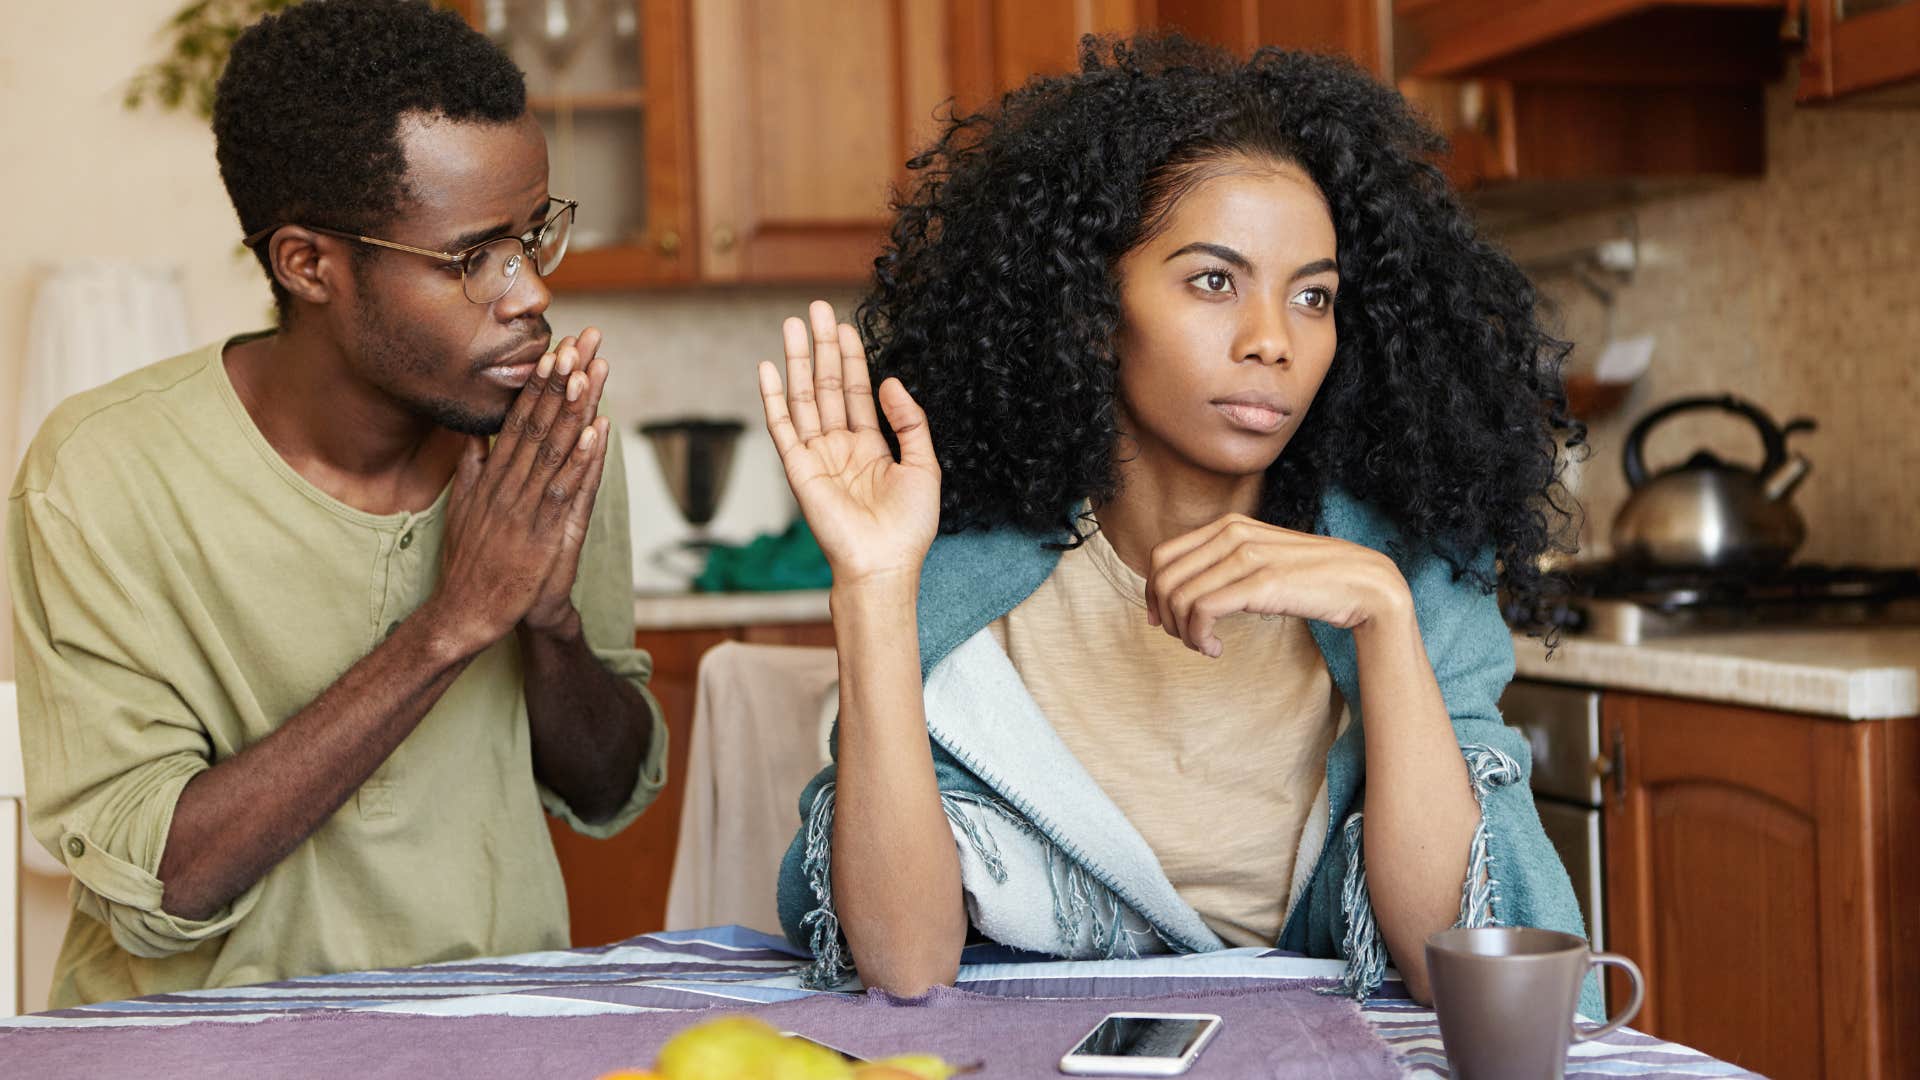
410	330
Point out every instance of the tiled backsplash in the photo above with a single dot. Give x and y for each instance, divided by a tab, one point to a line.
1799	292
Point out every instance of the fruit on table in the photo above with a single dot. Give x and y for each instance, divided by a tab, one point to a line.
742	1048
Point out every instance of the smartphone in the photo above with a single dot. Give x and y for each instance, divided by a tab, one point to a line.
846	1056
1141	1044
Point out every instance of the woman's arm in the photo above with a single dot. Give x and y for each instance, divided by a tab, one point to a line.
1420	810
896	871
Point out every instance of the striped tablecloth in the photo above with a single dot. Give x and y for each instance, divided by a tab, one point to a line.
736	967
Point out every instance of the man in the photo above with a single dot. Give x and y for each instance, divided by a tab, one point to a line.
301	657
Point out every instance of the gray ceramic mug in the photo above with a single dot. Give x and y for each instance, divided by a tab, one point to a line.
1506	997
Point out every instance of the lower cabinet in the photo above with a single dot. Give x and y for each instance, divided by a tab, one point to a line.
1763	868
617	888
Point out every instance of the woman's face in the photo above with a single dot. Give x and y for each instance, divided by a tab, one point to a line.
1227	323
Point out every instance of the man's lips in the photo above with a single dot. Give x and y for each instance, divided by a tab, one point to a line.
1259	413
515	368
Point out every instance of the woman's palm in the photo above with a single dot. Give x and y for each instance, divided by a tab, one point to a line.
871	514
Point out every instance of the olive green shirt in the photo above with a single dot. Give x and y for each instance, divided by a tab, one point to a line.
179	592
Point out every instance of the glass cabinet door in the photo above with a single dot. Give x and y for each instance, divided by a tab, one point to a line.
608	79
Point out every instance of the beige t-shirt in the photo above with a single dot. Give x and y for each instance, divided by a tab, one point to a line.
1216	762
180	591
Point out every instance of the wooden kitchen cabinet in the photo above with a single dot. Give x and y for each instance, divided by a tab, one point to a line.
1864	50
1763	869
617	888
805	114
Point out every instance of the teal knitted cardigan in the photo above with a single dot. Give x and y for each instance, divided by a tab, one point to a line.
1514	876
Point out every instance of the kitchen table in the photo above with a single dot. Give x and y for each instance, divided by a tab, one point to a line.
581	1012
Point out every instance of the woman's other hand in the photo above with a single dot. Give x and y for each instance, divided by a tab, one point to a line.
874	517
1238	563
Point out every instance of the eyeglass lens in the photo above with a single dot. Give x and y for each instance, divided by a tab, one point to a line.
491	269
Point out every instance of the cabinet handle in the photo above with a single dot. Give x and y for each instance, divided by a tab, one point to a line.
669	243
723	239
1617	768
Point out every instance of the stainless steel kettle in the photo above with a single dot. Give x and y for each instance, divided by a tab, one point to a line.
1706	514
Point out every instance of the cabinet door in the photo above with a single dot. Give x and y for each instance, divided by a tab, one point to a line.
609	84
1869	47
1747	875
806	113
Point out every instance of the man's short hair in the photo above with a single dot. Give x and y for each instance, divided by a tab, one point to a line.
306	116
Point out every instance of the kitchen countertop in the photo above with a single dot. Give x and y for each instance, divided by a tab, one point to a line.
686	610
1853	674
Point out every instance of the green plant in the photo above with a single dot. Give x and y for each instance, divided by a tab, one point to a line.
201	33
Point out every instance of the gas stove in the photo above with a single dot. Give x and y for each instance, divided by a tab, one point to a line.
1613	602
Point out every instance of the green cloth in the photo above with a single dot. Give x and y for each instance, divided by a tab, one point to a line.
179	592
769	563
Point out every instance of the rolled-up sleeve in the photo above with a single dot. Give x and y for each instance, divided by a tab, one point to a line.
603	593
107	743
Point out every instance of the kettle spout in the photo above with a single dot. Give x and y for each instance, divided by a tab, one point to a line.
1779	484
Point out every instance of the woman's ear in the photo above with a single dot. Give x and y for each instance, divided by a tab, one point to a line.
307	264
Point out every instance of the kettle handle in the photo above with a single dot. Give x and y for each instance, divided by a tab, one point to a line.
1771	437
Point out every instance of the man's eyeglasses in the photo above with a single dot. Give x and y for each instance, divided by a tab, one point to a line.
487	269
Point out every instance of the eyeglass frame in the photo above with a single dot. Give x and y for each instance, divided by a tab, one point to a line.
528	241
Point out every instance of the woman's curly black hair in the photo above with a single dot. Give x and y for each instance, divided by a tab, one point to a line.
996	302
306	116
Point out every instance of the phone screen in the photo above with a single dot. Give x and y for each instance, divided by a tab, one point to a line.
1143	1037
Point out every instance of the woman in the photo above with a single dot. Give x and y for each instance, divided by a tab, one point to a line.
1229	425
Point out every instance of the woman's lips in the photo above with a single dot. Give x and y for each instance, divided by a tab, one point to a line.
1262	418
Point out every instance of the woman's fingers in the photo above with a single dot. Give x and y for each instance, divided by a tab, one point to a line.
773	401
1176	560
800	396
859	383
1222	589
828	386
909	423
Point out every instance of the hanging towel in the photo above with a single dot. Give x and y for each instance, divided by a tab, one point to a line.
93	321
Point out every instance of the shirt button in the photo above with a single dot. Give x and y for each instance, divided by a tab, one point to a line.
406	539
76	847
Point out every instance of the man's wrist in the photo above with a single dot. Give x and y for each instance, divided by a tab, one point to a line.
562	628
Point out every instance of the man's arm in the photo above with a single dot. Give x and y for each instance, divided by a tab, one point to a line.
591	728
509	527
235	821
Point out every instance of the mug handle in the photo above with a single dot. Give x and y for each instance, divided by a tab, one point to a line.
1581	1035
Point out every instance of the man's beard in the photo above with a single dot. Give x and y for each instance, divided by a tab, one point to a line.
382	350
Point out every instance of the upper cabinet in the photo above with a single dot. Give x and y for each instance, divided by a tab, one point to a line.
1864	50
1550	100
804	114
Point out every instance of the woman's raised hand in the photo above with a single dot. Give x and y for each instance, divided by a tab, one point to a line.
873	516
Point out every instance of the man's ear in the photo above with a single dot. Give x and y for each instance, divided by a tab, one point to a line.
310	265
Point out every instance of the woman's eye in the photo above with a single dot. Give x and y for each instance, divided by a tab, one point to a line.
1213	281
1316	297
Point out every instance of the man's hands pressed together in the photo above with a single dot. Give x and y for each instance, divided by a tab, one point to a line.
518	514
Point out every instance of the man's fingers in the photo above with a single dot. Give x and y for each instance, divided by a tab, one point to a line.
557	492
587	485
829	390
861	415
523	407
909	424
800	397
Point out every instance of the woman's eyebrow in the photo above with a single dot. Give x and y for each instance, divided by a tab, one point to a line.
1219	251
1318	266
